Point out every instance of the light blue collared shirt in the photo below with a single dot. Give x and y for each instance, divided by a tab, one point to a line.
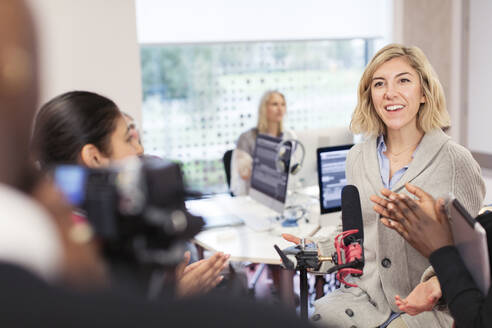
384	166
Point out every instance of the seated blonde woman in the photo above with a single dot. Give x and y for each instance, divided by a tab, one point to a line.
271	113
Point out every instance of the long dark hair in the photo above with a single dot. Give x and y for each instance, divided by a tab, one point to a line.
68	122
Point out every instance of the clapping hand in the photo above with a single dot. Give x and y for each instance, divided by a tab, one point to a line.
422	298
422	222
201	276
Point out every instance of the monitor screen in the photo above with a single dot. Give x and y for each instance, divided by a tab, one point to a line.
265	177
331	176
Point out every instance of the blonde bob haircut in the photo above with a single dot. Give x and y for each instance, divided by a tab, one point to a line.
262	125
432	114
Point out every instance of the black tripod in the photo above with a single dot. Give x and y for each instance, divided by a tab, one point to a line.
301	257
348	259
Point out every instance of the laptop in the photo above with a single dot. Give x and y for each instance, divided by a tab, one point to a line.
331	180
213	214
268	192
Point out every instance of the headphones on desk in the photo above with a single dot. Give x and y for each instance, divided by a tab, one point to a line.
286	151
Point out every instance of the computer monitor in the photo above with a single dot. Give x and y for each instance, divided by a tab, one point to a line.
331	176
312	140
268	185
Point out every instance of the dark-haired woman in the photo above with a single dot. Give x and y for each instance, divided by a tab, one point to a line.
85	128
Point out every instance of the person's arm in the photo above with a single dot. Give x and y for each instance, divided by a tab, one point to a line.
423	297
468	186
429	233
466	303
422	222
199	277
244	163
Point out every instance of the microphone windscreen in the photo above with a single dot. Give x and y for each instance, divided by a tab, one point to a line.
351	212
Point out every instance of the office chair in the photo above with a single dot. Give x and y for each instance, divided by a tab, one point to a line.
226	160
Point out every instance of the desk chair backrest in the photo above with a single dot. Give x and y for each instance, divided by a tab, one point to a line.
226	160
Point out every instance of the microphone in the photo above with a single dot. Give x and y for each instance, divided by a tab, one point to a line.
349	255
352	214
351	261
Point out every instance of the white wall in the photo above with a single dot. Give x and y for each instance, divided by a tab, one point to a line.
456	98
89	45
170	21
479	78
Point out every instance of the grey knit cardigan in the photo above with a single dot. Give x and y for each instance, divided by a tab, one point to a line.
440	167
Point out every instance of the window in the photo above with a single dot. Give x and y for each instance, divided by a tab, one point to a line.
198	98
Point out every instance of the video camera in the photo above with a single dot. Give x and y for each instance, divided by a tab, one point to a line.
135	208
